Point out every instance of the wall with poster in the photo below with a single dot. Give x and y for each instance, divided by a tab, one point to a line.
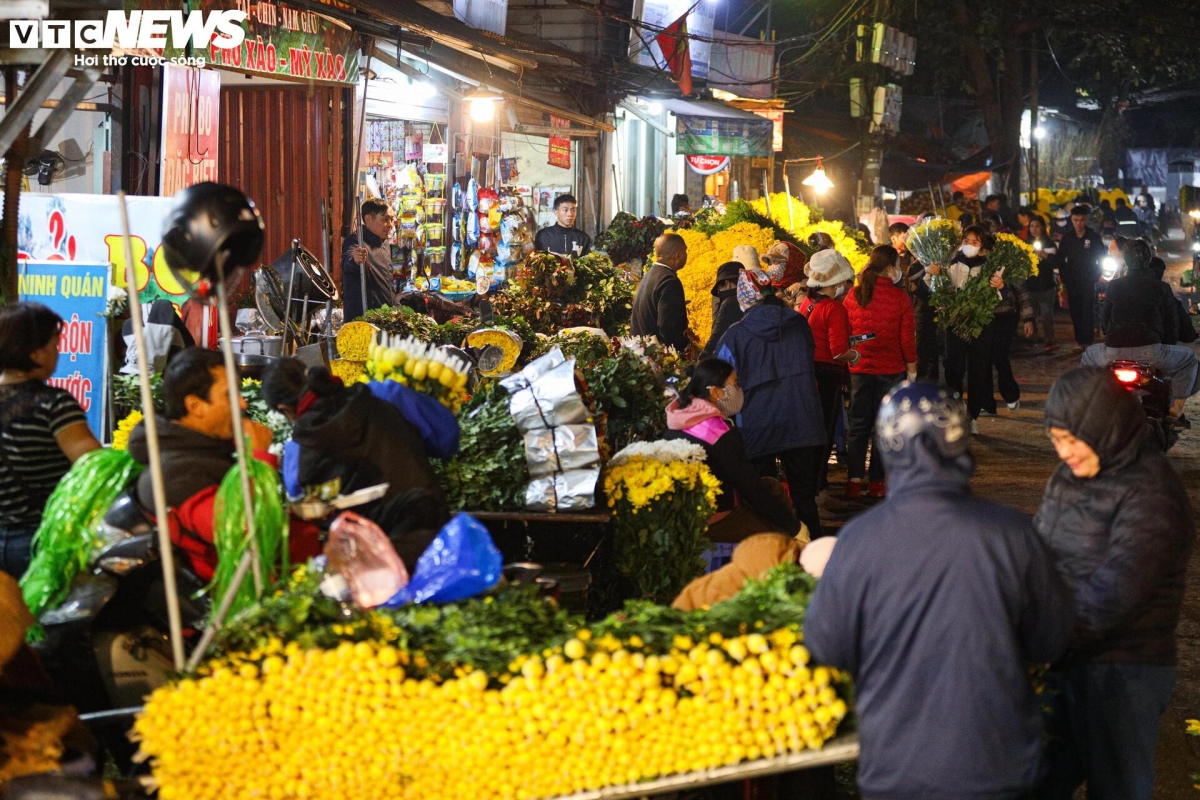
86	228
77	292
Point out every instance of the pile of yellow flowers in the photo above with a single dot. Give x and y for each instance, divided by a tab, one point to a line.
120	440
595	712
645	471
420	366
796	218
705	255
1027	249
789	212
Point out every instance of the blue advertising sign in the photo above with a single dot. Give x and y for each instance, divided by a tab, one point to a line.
78	293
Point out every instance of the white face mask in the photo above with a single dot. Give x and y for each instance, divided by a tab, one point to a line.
970	250
841	290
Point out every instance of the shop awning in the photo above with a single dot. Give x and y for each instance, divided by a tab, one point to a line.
704	128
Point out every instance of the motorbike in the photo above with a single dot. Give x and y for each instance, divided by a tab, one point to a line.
1152	389
107	643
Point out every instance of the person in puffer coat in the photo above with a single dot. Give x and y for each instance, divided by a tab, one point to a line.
725	308
936	602
772	351
877	305
1117	517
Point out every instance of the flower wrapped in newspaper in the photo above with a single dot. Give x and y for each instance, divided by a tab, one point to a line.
966	312
662	494
562	447
934	241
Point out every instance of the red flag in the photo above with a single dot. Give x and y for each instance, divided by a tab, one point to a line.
674	43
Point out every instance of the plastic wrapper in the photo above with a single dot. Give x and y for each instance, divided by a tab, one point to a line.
549	400
461	562
360	551
566	447
574	490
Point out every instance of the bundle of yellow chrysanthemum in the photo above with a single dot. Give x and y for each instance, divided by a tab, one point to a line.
124	428
705	255
791	213
843	242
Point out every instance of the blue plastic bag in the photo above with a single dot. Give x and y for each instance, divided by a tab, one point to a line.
461	562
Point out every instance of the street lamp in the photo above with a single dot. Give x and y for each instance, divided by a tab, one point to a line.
481	103
819	181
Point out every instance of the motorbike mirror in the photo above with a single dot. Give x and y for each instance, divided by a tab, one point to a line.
122	546
87	597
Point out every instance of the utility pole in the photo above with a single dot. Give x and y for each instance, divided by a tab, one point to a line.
872	142
1033	120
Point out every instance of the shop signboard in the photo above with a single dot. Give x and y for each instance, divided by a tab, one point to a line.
77	292
285	41
723	136
776	117
560	146
707	165
191	108
436	153
86	228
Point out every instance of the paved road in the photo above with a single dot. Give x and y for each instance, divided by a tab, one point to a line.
1015	460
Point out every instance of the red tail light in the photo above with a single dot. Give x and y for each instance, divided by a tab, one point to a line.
1127	375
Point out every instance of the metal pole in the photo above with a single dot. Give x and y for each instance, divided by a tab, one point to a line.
235	408
1033	125
787	187
151	423
362	128
767	196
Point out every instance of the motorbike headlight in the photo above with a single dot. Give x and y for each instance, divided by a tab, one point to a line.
1108	267
1194	213
1196	247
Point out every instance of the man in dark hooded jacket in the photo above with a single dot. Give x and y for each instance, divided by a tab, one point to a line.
1117	517
937	602
725	311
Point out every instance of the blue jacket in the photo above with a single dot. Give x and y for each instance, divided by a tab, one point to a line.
772	350
937	603
435	423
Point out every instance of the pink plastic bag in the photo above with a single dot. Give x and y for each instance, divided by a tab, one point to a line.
360	551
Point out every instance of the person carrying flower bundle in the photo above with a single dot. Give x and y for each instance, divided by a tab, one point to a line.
877	306
748	504
772	351
968	358
1013	313
928	338
830	278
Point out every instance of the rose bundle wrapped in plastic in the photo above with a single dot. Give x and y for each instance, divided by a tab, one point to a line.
934	241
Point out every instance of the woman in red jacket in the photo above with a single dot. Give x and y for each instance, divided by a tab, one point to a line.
830	276
877	306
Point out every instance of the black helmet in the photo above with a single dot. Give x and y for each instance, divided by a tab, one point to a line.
820	240
208	219
922	410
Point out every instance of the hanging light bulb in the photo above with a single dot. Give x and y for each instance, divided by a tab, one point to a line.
819	181
481	104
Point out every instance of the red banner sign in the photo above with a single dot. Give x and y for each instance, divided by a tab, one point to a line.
191	110
707	165
560	146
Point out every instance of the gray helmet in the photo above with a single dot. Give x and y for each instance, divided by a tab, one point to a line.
922	410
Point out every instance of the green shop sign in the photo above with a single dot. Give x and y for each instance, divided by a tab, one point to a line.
723	136
283	41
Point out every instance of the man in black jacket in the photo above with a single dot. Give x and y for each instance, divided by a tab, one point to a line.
374	256
936	602
1141	315
659	308
563	237
1117	517
1079	255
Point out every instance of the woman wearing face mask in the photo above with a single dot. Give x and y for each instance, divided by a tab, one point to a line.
830	276
971	360
748	504
877	306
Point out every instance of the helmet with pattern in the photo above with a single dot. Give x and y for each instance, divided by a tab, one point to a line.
920	415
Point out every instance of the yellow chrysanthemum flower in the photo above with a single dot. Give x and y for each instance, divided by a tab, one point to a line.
124	428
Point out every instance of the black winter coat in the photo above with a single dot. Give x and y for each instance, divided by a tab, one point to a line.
937	602
1122	538
1047	263
726	312
659	308
1079	257
1140	310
